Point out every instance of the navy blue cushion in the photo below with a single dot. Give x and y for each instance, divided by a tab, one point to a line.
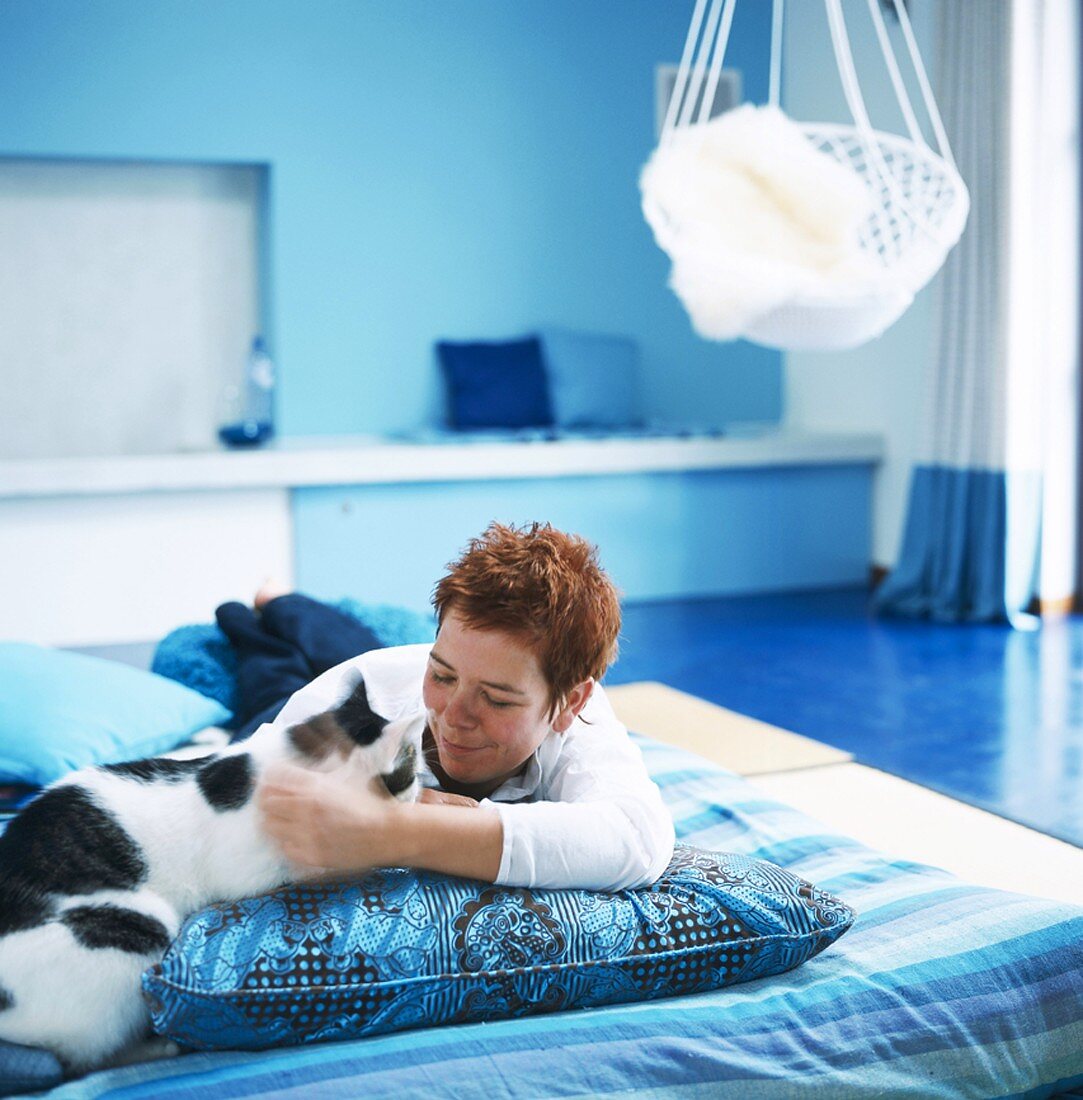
402	949
496	385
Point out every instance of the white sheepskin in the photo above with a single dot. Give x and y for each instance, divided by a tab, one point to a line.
752	215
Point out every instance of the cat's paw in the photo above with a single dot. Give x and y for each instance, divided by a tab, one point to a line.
147	1050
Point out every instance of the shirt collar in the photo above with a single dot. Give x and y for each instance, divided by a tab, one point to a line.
519	788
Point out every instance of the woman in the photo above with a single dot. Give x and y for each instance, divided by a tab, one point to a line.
529	778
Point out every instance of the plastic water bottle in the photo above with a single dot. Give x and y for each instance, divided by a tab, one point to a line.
256	423
260	383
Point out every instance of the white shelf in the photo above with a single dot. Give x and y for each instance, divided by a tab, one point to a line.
362	460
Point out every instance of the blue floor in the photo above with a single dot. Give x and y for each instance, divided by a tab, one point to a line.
988	715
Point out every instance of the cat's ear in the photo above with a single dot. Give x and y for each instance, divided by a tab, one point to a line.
401	778
358	720
319	737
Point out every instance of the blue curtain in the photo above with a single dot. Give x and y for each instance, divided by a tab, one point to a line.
952	566
970	543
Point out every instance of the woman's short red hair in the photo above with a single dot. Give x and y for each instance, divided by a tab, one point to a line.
542	585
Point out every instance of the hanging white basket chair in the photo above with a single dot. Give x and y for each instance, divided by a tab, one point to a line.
798	235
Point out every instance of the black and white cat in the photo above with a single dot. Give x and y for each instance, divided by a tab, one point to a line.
99	871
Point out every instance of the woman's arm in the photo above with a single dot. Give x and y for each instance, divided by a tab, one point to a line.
595	843
600	823
445	838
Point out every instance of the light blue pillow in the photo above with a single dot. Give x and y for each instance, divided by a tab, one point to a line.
402	949
62	711
593	379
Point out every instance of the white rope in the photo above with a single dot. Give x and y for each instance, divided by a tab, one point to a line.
721	42
681	83
844	60
879	170
923	81
775	94
896	77
699	63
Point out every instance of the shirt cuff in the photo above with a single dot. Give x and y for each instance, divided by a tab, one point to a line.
507	860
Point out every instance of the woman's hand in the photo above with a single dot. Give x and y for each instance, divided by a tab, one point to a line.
443	798
322	824
327	828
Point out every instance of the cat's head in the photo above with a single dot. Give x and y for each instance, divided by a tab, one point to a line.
355	740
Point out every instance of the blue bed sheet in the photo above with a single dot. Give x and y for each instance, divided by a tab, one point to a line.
940	989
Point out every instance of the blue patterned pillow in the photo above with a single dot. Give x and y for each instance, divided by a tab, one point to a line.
403	949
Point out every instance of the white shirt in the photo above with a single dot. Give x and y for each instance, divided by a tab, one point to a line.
583	812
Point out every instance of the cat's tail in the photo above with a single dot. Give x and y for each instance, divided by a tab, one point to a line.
27	1069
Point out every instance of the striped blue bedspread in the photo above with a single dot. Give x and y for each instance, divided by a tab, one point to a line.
941	989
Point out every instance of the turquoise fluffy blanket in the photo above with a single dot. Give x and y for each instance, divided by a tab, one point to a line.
201	657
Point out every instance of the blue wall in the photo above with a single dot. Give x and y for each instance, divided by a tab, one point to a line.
445	168
460	168
660	536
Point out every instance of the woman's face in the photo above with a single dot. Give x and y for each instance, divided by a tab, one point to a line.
487	704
